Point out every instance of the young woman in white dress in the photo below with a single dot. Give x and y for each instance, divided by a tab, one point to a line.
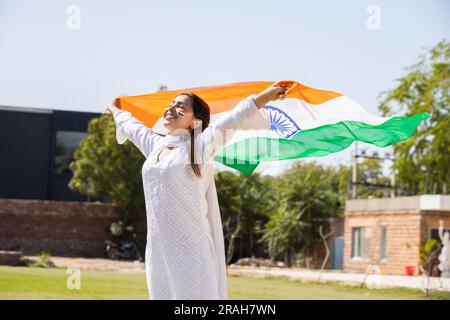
185	255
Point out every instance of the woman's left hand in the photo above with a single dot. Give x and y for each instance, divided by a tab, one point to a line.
277	91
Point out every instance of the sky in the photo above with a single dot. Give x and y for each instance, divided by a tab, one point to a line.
78	55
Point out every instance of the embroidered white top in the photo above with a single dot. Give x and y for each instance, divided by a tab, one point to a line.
185	254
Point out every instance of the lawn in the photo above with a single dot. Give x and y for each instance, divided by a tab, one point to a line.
50	283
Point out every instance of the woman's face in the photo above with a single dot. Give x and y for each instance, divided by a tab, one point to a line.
173	120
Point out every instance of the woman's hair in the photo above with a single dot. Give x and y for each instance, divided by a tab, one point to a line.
202	112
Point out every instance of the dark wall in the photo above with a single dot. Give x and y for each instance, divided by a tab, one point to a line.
27	153
67	121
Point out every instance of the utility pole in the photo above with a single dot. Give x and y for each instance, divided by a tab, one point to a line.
354	170
392	182
355	182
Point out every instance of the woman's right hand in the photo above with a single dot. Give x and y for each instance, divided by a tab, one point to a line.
106	110
112	107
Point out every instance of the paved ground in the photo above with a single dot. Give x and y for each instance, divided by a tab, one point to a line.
371	280
95	264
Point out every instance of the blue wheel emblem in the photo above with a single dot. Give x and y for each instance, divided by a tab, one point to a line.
281	123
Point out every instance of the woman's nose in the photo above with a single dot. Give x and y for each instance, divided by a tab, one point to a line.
169	109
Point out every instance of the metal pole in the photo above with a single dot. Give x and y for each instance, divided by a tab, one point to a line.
392	182
354	170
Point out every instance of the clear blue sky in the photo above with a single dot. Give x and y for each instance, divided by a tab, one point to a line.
131	47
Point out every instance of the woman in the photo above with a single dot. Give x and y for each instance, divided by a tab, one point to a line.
185	255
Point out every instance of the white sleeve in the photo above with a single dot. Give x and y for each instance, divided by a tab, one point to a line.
244	116
130	128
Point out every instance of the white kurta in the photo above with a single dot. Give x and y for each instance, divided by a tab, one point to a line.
185	254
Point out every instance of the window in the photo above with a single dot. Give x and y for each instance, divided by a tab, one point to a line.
356	242
361	242
434	233
383	235
66	143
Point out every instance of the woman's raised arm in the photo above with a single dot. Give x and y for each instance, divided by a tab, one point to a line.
246	115
130	128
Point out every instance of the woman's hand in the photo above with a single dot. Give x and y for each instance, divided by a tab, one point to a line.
274	92
112	107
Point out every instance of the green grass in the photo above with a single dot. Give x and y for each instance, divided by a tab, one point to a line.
50	283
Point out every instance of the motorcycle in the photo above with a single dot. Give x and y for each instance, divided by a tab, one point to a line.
126	250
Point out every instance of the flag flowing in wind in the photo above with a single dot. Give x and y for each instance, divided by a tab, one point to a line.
307	123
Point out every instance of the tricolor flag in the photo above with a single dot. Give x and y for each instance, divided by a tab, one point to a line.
307	123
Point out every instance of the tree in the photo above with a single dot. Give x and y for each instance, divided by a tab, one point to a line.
370	171
344	179
286	233
422	161
230	204
309	195
104	169
245	203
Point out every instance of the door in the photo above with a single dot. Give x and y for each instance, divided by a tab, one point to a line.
338	252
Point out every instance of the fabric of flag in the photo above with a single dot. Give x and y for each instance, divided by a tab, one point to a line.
307	123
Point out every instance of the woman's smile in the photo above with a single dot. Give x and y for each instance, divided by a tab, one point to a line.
170	115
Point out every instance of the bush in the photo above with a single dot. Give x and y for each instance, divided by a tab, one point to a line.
43	261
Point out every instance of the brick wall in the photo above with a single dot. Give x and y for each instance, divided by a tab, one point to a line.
402	242
406	230
77	229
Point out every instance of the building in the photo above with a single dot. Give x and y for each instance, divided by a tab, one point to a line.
385	234
36	146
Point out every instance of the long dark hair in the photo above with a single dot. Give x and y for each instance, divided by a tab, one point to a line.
202	112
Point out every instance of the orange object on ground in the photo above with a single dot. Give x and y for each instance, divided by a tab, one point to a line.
409	270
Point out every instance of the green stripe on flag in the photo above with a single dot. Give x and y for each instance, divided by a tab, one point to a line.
246	154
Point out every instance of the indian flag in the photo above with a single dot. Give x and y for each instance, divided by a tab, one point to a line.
307	123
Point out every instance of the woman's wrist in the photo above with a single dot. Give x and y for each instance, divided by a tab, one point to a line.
112	109
261	99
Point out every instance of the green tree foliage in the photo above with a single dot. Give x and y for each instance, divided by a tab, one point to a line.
370	171
103	169
422	162
245	203
344	179
286	233
309	195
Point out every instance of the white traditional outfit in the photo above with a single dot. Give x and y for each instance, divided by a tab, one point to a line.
185	254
